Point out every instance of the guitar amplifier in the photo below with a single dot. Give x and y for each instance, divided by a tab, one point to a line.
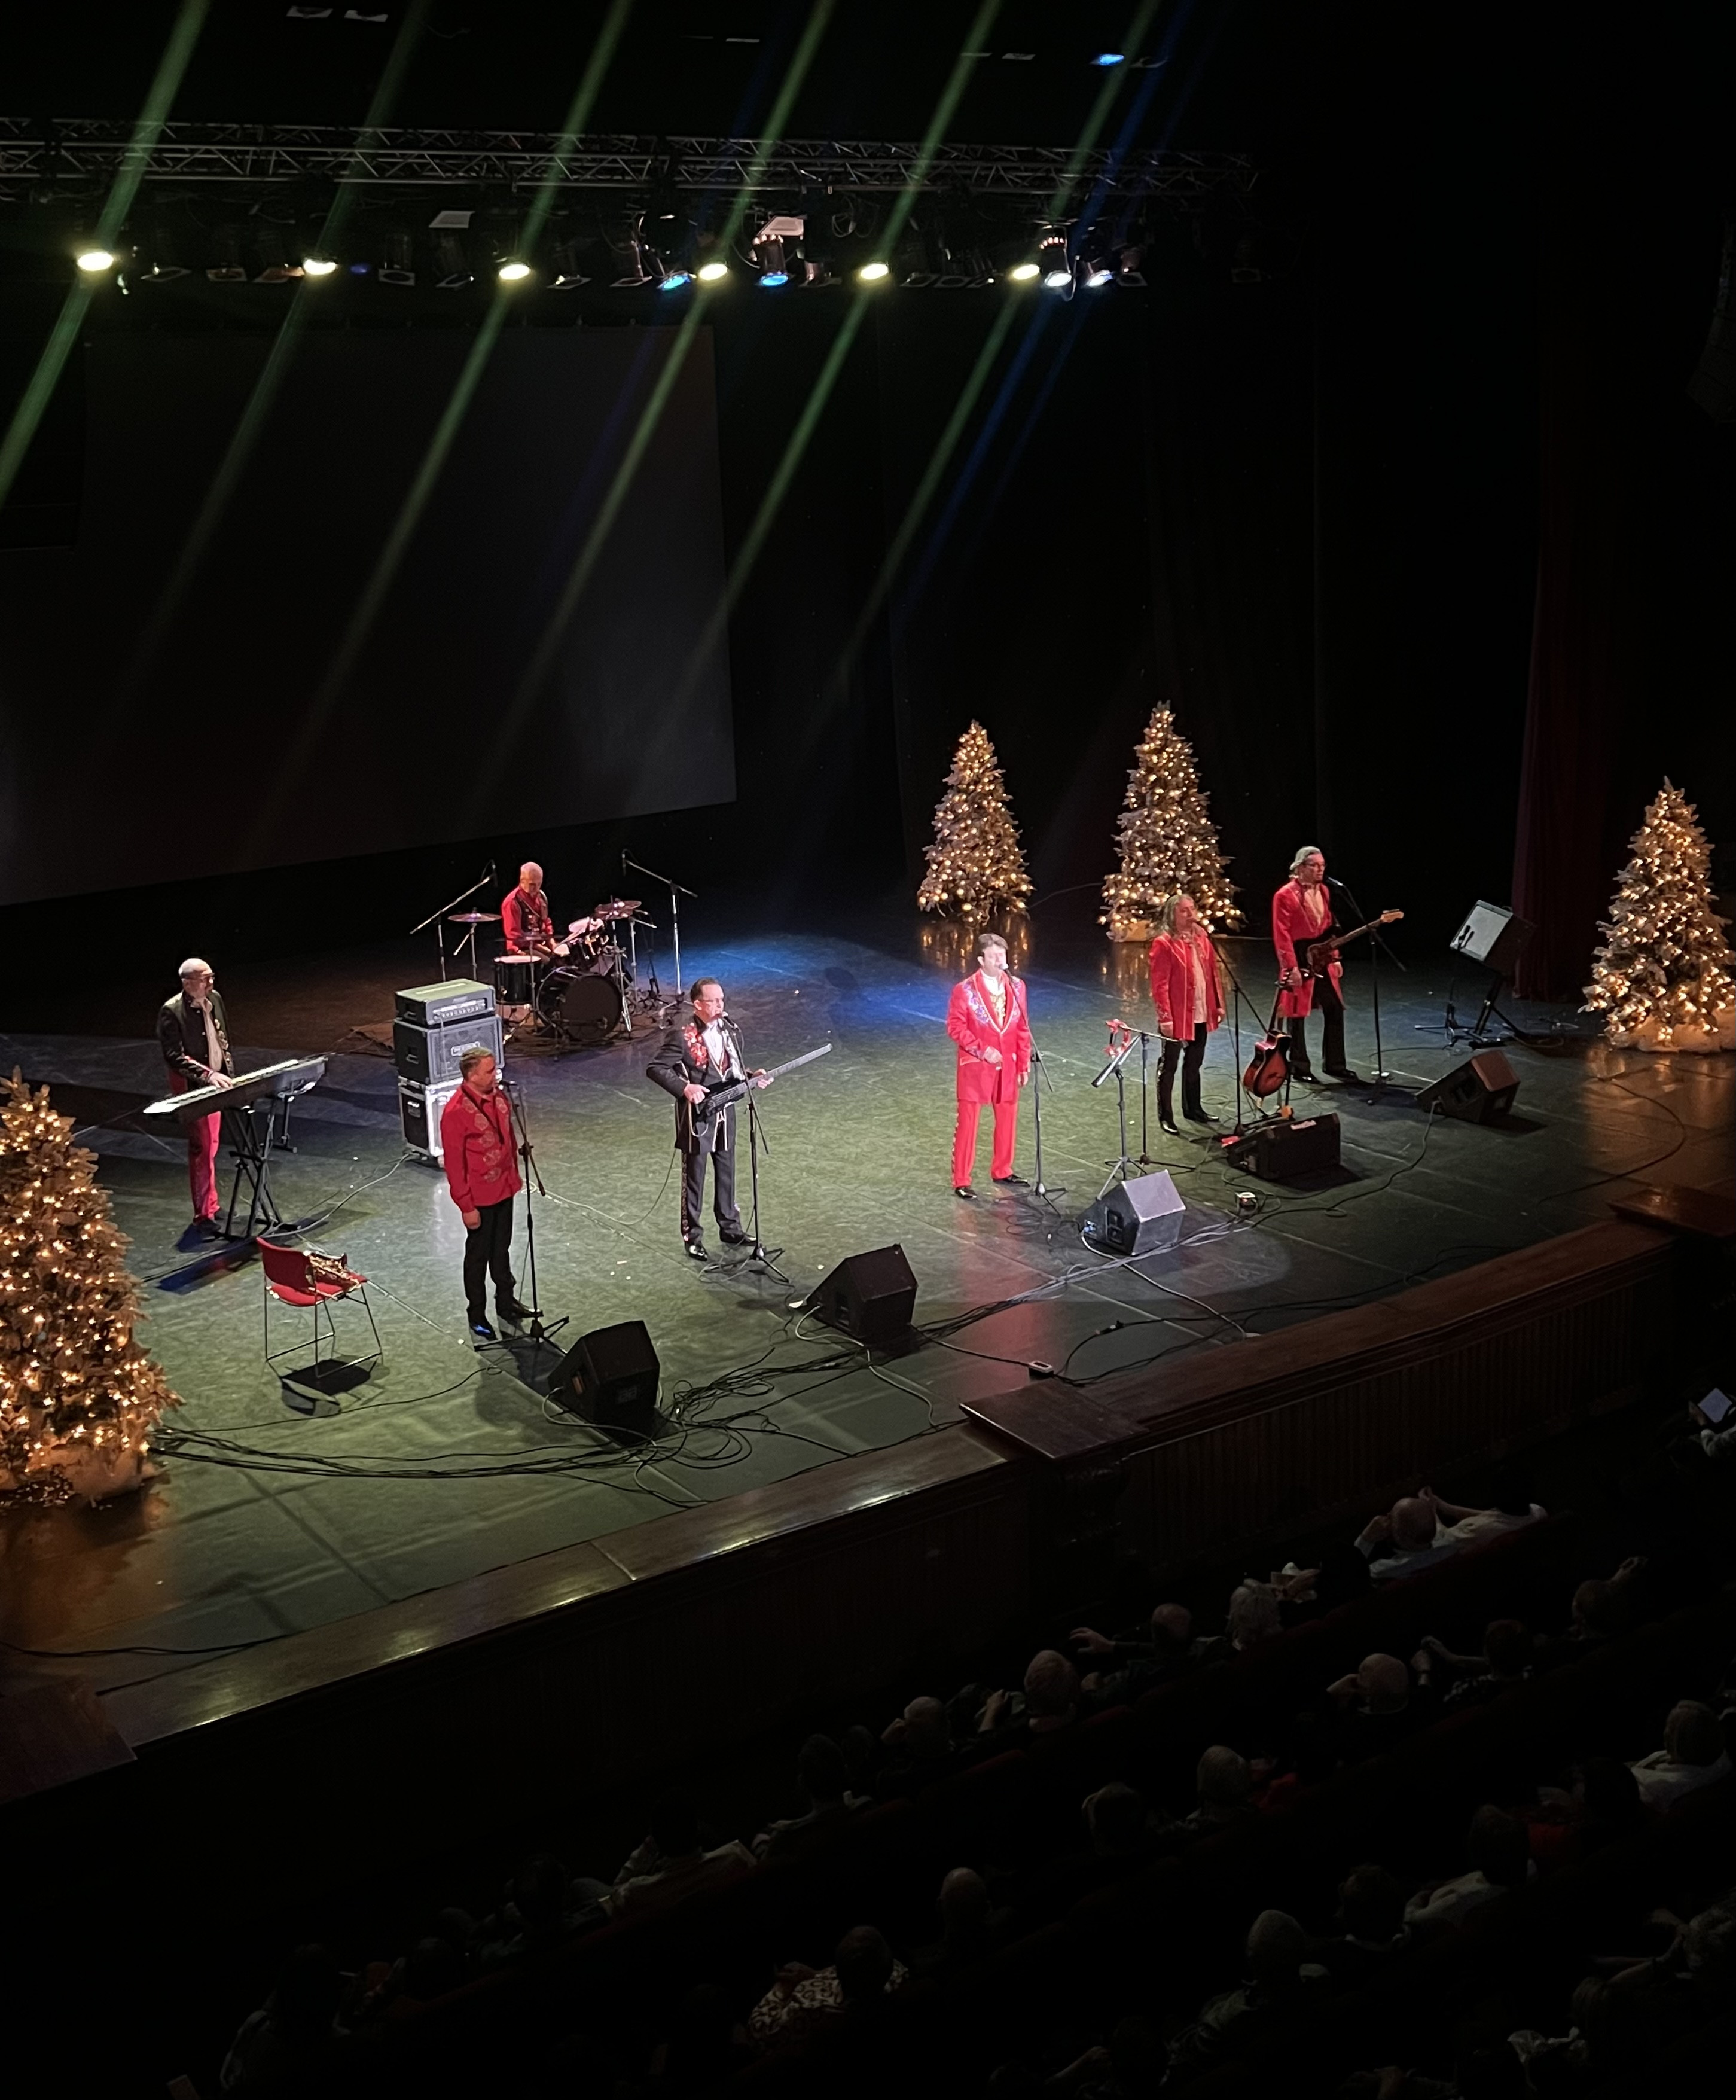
1282	1151
418	1112
438	1005
431	1055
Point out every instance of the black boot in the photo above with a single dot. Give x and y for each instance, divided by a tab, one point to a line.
1192	1105
1300	1068
1166	1106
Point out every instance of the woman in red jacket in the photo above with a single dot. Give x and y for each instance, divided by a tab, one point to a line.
1190	1005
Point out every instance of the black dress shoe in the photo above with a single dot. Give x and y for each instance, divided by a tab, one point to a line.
1198	1115
1167	1123
966	1194
208	1228
1305	1074
694	1249
514	1311
1011	1181
732	1239
1343	1072
482	1332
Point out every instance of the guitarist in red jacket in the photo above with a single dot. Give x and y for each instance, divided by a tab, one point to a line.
988	1020
1301	912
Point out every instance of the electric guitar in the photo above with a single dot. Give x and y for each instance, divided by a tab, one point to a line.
1320	953
723	1093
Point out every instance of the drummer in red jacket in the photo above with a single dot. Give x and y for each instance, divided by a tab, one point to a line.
988	1020
481	1172
1189	1001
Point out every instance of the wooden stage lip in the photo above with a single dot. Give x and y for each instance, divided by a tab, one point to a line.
923	1554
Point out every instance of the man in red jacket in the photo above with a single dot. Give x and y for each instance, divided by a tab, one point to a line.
1190	1004
988	1018
481	1172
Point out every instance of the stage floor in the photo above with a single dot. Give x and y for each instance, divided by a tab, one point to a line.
448	1461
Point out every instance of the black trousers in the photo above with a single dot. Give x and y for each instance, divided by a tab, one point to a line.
1331	1006
1191	1055
722	1189
485	1248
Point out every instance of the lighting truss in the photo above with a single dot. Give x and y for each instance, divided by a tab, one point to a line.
34	151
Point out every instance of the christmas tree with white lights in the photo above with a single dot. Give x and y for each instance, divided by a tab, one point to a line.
1167	841
1662	979
78	1396
975	866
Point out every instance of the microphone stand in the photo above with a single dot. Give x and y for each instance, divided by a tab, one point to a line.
758	1253
1118	1060
1040	1189
676	893
1145	1149
437	920
1382	1083
540	1330
1237	998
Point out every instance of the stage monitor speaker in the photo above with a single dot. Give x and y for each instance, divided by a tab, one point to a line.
1495	934
872	1296
609	1376
1135	1217
1283	1150
1477	1091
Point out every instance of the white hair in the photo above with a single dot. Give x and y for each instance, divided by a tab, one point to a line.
528	867
1302	854
196	966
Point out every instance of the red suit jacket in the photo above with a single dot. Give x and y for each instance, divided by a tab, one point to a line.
476	1148
970	1022
523	922
1293	927
1172	988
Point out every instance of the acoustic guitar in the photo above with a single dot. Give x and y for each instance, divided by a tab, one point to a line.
1269	1065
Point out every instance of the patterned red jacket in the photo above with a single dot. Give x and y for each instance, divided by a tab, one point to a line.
970	1022
476	1143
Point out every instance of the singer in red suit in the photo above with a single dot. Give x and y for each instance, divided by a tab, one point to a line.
1301	912
988	1018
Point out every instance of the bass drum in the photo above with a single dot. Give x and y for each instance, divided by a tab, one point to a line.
584	1010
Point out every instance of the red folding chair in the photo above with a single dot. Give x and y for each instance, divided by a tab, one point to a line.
291	1278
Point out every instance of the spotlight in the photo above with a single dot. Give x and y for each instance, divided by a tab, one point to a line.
1097	274
871	273
226	267
1110	59
712	273
398	257
641	268
1051	254
512	270
453	270
275	265
771	271
93	261
672	280
318	264
776	246
1022	273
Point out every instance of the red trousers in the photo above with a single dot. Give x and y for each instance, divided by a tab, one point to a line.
203	1138
1005	1136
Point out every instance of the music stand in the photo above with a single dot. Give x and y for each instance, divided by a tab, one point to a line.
1495	935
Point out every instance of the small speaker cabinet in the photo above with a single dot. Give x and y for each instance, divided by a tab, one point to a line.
609	1376
1135	1217
871	1296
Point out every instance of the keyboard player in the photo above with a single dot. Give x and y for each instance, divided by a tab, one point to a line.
193	1034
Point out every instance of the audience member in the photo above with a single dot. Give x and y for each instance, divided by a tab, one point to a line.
1223	1789
1371	1926
1601	1609
971	1926
1600	1806
1500	1860
1375	1711
1051	1704
672	1862
286	2040
1693	1756
822	1777
1421	1531
544	1904
1506	1660
1134	1666
862	1969
1277	1973
918	1747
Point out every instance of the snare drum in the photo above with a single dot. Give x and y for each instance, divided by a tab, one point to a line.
584	1008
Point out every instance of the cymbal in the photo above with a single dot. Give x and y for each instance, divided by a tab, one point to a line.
472	918
618	907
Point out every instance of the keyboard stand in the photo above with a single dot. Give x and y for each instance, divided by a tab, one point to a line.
250	1135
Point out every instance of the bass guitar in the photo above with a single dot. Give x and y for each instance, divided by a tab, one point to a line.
1269	1067
723	1093
1320	953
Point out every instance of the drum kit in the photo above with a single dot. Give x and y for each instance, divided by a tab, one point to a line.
583	992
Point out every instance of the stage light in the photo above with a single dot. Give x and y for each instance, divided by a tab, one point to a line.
318	264
871	273
672	280
770	279
1110	59
1097	274
273	254
712	273
398	257
1052	260
93	261
226	267
1022	273
513	272
453	270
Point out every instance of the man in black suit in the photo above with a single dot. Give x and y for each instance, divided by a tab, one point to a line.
703	1053
192	1031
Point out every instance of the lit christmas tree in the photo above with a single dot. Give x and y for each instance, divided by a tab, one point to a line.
1167	840
1663	978
78	1396
976	868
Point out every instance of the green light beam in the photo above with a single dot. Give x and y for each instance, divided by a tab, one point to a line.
159	101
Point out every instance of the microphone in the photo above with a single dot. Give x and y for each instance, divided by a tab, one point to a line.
1333	883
